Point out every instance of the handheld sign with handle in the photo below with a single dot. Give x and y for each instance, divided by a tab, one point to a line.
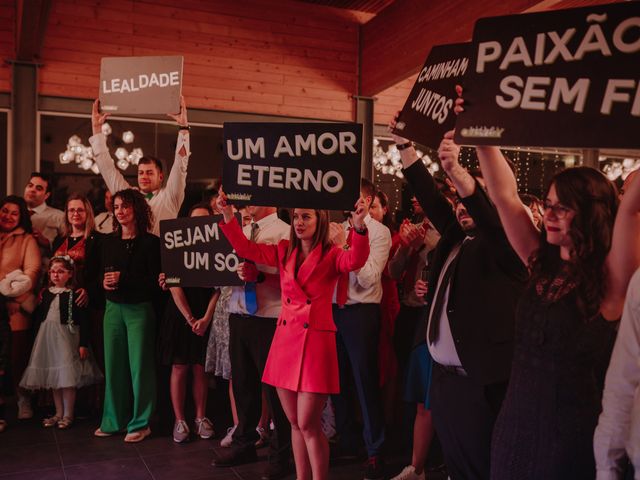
306	165
195	253
567	78
428	112
141	85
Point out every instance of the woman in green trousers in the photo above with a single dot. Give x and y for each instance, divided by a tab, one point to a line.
130	261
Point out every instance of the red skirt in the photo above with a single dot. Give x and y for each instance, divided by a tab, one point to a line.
303	359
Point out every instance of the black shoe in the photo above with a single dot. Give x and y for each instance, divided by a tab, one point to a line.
374	469
276	471
234	456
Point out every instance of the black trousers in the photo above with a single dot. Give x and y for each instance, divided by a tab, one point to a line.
357	341
404	335
463	415
249	343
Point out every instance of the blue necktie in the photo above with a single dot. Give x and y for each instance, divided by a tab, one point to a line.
250	299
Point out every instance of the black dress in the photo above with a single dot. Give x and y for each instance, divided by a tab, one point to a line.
546	424
178	344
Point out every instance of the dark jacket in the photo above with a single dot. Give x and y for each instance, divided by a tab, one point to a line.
78	314
89	276
485	286
138	261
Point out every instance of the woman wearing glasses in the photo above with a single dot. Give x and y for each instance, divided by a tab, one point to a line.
580	265
78	241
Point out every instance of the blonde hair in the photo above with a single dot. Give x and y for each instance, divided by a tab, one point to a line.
90	223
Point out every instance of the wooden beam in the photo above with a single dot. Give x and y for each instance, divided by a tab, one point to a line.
31	22
396	42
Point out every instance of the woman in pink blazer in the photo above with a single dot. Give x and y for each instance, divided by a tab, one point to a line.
303	360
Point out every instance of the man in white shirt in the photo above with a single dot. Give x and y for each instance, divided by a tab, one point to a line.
618	433
104	220
356	313
164	201
254	310
48	222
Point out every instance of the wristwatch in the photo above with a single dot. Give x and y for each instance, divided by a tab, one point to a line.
404	146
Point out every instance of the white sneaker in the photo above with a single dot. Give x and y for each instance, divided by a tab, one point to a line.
264	437
180	431
204	428
25	411
228	438
409	473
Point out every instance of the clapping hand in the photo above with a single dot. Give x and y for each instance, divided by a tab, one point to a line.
336	234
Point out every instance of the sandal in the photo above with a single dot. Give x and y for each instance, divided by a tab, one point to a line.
65	423
137	436
51	421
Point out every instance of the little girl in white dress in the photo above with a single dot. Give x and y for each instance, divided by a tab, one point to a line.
60	359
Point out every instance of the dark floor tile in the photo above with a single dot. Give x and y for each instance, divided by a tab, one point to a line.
165	444
49	474
26	433
93	449
183	464
123	469
253	471
27	458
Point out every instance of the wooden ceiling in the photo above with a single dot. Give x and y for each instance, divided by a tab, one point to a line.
368	6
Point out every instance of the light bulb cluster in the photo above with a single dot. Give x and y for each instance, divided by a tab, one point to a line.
84	157
389	162
619	167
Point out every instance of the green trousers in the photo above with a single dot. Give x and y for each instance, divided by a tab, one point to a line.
129	333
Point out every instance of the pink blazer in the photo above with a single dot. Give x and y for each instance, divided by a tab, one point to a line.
303	354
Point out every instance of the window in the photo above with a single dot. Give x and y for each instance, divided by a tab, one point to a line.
154	138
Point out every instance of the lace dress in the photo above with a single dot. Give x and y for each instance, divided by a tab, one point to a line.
546	424
55	359
218	362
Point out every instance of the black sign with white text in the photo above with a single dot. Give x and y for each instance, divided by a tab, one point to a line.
306	165
428	111
567	78
195	253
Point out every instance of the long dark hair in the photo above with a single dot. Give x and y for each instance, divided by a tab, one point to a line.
141	210
387	218
320	237
595	202
25	218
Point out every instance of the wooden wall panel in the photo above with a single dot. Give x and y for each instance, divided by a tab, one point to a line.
389	101
392	98
280	58
397	41
7	42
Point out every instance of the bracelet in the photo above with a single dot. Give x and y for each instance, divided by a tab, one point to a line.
361	231
184	127
404	146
